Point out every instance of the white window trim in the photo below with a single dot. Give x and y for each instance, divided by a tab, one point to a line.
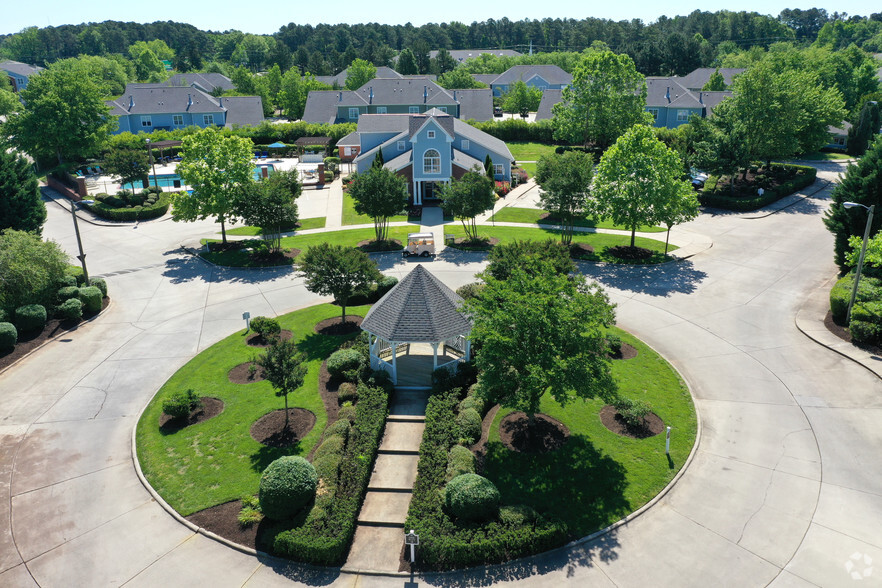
430	134
353	111
466	145
443	109
654	113
427	157
147	121
381	110
682	115
208	119
401	145
498	169
178	120
413	109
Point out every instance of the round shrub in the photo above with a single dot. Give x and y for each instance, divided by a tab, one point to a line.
101	285
30	318
4	316
70	310
473	402
333	445
286	486
460	461
67	280
865	332
91	297
340	428
266	327
343	362
68	292
472	290
347	412
469	423
471	497
517	515
385	284
347	392
8	336
180	404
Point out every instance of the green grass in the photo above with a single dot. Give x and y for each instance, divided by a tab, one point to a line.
599	241
511	214
530	151
350	217
598	477
305	223
217	461
349	238
823	156
530	168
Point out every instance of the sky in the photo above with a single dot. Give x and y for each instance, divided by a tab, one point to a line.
268	17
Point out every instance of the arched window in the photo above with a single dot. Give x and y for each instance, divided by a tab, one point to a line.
432	162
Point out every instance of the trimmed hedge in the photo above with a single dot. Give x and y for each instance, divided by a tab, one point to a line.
91	298
70	310
460	461
710	196
8	336
516	129
445	544
471	497
324	537
286	486
469	423
116	209
343	362
101	285
30	318
179	405
68	292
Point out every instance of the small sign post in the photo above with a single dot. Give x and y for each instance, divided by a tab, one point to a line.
247	317
413	540
668	442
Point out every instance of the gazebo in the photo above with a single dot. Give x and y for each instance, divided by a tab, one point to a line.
419	312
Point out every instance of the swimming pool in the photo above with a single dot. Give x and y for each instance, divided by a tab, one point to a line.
174	180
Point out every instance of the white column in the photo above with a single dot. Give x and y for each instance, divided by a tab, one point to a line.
434	356
394	362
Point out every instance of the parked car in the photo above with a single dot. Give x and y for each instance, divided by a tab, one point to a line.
698	178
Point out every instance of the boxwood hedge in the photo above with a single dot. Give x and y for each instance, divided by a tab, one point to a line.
91	297
286	486
8	336
30	318
118	210
803	176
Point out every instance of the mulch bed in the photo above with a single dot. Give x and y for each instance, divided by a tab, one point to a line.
283	257
256	340
626	352
468	245
546	434
211	407
241	374
630	253
222	520
30	341
333	326
843	333
371	245
613	421
581	250
270	429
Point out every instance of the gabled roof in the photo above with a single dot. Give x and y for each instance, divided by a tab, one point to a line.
204	81
399	91
549	99
321	106
340	79
461	55
159	99
399	162
442	119
712	99
418	309
475	104
550	73
698	78
485	78
467	131
666	92
383	123
22	69
465	161
350	140
243	111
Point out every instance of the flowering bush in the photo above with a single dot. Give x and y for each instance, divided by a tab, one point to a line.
502	188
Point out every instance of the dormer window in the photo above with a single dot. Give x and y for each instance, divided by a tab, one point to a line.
430	134
413	109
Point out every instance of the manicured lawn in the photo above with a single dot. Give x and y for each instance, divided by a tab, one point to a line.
349	238
597	477
529	151
822	156
599	241
217	460
350	217
511	214
305	223
530	168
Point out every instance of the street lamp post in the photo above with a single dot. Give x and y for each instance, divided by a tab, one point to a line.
860	265
82	255
153	163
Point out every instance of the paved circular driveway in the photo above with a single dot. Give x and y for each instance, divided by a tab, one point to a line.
784	488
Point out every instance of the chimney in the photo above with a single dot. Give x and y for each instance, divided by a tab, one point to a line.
131	102
668	94
189	101
454	95
220	101
371	96
425	94
339	96
701	97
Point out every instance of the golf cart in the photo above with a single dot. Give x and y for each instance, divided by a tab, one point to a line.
422	244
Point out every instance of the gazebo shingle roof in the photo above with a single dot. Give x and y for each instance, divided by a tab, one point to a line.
419	309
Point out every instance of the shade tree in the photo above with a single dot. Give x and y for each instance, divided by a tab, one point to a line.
379	193
341	272
566	187
467	197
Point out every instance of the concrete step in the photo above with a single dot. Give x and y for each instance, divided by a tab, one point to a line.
376	548
406	418
385	508
402	436
394	471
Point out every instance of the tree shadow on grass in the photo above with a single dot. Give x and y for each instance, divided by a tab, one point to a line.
266	455
317	346
656	280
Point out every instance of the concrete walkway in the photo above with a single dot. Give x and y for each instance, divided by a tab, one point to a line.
784	488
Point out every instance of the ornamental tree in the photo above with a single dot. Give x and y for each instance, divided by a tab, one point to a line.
270	204
217	168
128	165
541	333
359	73
20	205
638	180
566	187
606	98
30	269
459	78
468	197
379	193
521	98
341	272
284	367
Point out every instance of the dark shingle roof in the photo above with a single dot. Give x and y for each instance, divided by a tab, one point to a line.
485	78
205	81
549	99
466	54
243	111
22	69
158	99
418	309
669	93
475	104
398	91
550	73
698	78
321	106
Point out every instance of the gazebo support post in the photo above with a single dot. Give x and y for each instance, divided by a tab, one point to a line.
434	356
394	362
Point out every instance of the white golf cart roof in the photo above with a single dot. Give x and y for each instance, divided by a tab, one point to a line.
420	235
